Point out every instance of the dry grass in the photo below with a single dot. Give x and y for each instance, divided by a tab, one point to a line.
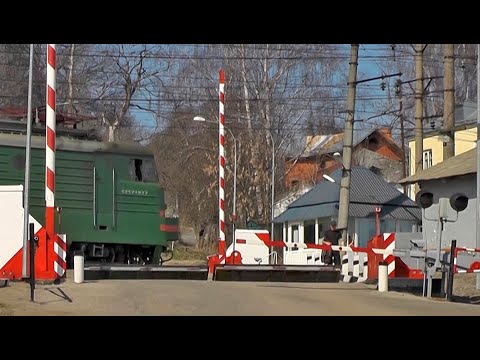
464	285
188	256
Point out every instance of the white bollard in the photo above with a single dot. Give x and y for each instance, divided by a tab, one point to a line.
383	276
78	275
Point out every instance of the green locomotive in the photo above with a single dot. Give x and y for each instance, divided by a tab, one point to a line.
107	197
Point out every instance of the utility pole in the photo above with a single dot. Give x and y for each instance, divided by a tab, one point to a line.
448	101
26	190
347	146
399	93
419	49
478	158
70	79
272	215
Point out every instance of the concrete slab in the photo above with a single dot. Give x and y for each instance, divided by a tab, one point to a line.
125	272
413	286
277	273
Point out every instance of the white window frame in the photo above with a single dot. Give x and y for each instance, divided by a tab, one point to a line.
427	158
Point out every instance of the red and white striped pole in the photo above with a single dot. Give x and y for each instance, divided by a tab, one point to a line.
221	167
59	246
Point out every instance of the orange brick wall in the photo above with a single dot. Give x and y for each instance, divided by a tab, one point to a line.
303	171
387	151
307	169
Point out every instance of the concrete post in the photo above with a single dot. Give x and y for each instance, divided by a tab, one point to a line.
383	276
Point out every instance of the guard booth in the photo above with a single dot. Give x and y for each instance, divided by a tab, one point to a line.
11	240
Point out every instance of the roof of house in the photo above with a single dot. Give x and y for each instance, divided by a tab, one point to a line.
465	117
367	191
334	142
21	112
465	163
68	144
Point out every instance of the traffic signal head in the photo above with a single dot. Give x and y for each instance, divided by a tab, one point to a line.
459	202
424	199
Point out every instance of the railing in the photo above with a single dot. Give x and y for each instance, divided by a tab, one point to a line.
273	255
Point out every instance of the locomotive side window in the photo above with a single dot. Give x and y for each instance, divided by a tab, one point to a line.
143	170
138	170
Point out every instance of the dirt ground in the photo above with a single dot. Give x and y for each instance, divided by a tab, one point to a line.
190	297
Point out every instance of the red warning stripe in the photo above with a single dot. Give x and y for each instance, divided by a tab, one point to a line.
168	228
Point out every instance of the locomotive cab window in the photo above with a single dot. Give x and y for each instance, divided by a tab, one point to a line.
143	170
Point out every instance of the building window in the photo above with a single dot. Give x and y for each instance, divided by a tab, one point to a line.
309	232
427	158
143	170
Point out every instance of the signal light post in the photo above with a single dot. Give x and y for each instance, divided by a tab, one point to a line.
424	199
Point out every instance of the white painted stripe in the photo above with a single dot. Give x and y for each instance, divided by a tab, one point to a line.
391	267
63	238
49	197
365	269
391	245
383	251
36	225
58	269
356	267
344	270
59	251
467	271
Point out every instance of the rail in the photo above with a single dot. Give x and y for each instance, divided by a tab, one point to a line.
272	255
473	267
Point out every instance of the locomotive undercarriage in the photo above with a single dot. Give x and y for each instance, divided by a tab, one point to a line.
118	254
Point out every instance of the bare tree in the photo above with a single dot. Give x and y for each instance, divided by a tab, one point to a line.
126	79
272	92
14	68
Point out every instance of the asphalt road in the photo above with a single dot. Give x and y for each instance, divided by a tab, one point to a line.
188	297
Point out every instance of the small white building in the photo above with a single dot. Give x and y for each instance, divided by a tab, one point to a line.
457	174
307	218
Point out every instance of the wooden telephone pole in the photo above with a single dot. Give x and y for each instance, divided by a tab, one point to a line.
347	146
419	49
399	93
448	101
